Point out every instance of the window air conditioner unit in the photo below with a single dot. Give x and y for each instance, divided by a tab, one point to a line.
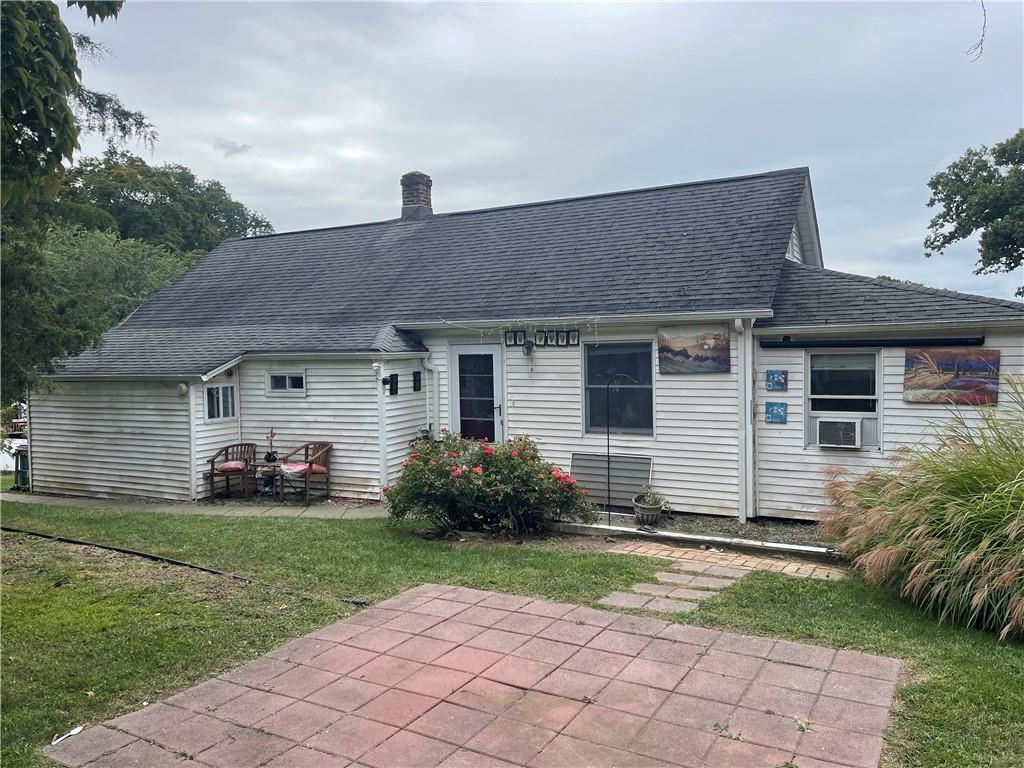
839	433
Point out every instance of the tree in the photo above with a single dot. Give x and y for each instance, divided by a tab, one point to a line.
86	282
43	102
982	191
164	205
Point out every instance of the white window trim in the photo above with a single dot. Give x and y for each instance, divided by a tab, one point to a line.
584	432
809	439
234	398
286	392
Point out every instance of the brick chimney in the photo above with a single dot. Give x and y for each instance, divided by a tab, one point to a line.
416	196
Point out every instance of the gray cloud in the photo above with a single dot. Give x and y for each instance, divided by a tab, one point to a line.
509	103
230	148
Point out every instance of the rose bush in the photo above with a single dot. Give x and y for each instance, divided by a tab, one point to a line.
459	484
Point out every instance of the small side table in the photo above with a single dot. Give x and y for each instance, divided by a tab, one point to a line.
267	470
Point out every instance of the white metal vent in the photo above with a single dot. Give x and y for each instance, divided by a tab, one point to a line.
629	475
839	433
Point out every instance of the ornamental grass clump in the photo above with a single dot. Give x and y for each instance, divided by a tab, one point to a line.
459	484
944	525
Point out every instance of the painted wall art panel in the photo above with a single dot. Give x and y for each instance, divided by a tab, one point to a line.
693	349
777	380
776	413
951	376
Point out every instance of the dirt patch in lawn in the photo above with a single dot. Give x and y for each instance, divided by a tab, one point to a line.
30	558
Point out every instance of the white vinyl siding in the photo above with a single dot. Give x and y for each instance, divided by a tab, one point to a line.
340	407
111	439
210	436
695	449
790	473
405	414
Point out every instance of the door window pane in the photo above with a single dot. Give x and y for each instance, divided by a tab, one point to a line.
476	397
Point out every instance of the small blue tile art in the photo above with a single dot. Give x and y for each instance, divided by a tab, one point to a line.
777	380
775	413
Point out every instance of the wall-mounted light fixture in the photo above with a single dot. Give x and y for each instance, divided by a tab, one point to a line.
528	348
182	388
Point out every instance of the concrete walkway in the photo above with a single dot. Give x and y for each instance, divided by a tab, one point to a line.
463	678
342	510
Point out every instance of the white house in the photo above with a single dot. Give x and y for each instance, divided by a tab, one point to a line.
512	320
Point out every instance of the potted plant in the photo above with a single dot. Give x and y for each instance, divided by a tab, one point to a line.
647	506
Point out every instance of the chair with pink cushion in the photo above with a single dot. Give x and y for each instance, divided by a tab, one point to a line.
235	460
313	466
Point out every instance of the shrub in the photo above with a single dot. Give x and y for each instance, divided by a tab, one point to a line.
459	484
945	524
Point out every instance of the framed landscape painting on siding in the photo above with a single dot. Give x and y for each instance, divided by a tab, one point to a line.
952	376
693	349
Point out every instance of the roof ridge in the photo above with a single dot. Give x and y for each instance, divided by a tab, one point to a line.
805	170
912	288
635	190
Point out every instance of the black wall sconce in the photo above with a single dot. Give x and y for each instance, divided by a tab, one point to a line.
391	383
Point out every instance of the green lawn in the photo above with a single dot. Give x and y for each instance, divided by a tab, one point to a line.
129	638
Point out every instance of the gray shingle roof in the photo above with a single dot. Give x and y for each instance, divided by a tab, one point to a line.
712	245
807	295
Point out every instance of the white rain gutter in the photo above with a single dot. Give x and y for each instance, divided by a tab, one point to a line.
433	396
308	356
745	422
917	325
622	319
382	429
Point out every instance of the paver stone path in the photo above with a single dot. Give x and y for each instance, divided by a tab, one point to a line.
463	678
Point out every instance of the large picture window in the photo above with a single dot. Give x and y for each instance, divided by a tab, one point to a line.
631	409
220	402
844	384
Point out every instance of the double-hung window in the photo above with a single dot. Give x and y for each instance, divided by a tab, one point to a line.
628	407
286	383
844	385
220	402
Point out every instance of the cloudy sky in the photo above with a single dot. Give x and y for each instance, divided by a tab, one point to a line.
310	112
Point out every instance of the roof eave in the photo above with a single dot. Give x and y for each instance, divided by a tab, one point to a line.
630	319
916	325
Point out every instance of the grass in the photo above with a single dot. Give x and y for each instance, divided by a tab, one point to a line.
945	523
962	705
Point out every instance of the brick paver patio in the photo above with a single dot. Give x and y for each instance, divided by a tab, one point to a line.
730	560
462	678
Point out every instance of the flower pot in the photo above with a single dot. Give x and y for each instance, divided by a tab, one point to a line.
646	515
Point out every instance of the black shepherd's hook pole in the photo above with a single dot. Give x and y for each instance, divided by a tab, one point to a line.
608	443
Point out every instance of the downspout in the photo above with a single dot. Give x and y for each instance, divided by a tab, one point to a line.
195	404
382	430
433	396
744	383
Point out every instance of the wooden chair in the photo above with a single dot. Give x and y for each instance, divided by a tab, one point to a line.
233	460
315	465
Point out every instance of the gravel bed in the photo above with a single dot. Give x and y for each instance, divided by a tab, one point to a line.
761	529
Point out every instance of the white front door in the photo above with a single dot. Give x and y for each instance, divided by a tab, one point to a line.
477	392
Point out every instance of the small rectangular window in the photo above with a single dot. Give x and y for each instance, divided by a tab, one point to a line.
220	402
629	406
417	381
286	383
